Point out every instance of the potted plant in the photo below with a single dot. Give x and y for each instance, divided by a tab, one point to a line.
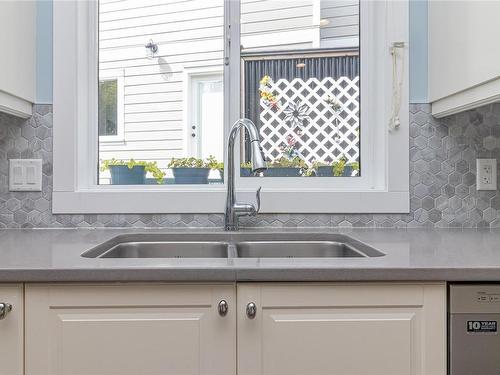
354	168
284	167
193	170
320	170
131	172
246	169
216	165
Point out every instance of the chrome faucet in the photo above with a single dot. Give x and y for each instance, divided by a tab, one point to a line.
235	209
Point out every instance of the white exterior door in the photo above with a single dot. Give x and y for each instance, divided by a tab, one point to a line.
349	329
153	329
207	125
11	330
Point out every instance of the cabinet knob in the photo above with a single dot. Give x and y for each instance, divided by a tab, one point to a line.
223	308
251	310
5	308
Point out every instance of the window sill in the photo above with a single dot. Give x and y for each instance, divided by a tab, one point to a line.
212	200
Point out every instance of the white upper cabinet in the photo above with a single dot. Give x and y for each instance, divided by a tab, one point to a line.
18	50
464	55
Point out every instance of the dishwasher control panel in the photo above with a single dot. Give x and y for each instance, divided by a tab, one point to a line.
485	297
469	298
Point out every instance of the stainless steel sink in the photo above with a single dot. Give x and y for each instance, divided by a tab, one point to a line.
297	249
167	250
232	245
152	246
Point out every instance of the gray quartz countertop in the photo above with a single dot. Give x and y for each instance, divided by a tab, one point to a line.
52	255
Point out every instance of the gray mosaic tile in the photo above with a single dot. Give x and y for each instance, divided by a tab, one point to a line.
442	180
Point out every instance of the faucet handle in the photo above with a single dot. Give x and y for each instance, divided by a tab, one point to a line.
257	198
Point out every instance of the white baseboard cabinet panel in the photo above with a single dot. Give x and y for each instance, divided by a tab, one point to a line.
155	329
348	329
11	330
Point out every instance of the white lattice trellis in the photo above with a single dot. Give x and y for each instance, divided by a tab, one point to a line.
326	135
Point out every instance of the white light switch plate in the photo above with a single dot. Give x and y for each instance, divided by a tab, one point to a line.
25	174
486	176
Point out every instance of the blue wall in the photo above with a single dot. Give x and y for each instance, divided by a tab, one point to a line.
418	51
44	52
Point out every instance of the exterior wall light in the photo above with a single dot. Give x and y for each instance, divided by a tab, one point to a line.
151	49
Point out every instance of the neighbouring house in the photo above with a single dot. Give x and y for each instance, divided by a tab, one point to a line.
155	105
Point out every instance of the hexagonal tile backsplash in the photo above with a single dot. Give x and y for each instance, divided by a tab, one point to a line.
442	179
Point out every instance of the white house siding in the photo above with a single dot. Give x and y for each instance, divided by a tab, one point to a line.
190	35
277	24
342	28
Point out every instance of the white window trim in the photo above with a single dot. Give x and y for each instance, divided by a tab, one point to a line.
117	75
75	152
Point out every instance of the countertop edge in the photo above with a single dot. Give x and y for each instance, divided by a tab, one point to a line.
251	275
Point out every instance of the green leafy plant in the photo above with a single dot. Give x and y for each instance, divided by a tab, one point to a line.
339	166
284	162
214	164
149	166
355	167
247	164
312	170
210	163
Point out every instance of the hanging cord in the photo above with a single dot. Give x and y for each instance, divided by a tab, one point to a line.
397	83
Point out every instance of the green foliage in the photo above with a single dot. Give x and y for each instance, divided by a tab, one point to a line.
149	166
339	166
354	165
210	162
214	164
313	169
284	162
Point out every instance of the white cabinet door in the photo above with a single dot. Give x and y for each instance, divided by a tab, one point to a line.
130	329
11	330
342	329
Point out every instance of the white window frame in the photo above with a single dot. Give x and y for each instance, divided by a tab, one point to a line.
117	75
384	187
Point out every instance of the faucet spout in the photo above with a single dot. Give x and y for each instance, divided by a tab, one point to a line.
233	209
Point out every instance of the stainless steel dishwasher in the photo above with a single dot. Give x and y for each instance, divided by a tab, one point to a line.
474	341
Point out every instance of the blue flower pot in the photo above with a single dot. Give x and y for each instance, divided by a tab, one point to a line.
246	172
191	175
123	175
324	171
282	172
327	171
347	171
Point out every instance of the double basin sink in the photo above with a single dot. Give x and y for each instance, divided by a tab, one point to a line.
233	245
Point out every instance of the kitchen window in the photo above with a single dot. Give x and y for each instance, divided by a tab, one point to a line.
315	76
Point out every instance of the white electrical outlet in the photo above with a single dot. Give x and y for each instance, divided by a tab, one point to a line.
486	176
